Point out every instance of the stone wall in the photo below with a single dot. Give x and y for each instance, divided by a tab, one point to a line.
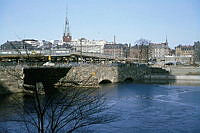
132	71
183	70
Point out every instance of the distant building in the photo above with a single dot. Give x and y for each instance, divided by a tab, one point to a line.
45	45
197	43
172	52
139	53
158	51
33	42
184	50
28	44
56	42
116	50
134	52
67	38
88	46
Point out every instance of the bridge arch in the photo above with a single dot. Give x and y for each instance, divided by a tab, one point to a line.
128	79
105	81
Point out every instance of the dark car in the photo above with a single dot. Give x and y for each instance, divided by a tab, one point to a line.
169	63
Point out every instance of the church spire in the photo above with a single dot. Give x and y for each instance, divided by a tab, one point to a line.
67	36
166	40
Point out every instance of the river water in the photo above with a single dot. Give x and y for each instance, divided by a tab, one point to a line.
144	108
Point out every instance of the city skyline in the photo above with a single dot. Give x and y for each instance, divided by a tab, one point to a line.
101	20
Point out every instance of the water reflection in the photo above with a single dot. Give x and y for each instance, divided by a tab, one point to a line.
145	107
67	109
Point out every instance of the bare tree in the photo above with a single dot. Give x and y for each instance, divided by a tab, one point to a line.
143	49
142	41
67	111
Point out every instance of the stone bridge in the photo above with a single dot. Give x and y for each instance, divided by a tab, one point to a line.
93	75
16	79
83	75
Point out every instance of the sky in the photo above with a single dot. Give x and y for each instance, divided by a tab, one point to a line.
128	20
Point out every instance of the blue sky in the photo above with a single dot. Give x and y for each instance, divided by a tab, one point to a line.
129	20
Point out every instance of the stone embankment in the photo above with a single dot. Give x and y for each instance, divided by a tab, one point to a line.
11	79
189	70
177	73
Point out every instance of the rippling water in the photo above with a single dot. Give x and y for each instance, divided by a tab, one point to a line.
147	108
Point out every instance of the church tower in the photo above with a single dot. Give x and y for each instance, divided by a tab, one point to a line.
166	42
67	36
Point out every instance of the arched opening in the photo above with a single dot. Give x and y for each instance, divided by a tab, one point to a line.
128	79
105	81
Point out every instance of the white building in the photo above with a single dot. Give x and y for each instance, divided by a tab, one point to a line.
89	46
56	42
158	50
32	42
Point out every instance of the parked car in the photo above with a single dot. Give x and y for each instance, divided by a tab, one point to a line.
169	63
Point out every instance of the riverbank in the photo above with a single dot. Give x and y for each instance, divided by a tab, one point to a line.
173	77
183	70
175	74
